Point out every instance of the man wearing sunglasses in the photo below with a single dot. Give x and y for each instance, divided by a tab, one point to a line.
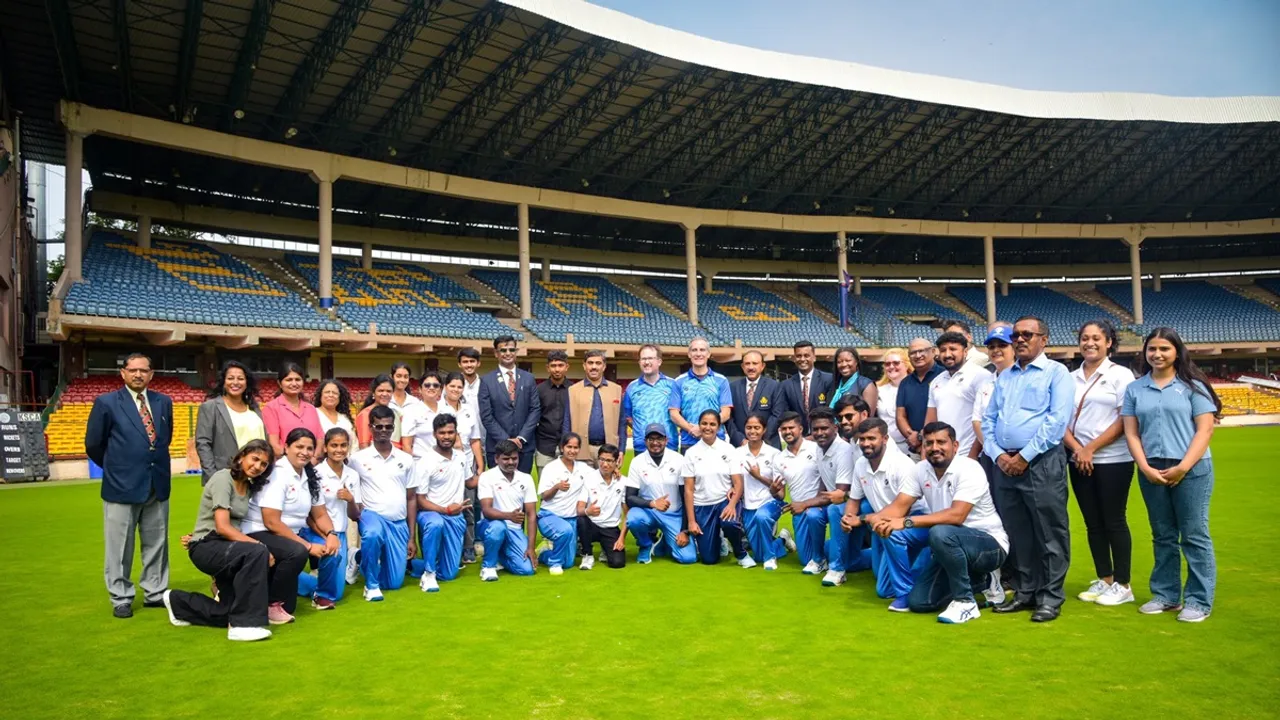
913	392
509	405
851	410
1022	430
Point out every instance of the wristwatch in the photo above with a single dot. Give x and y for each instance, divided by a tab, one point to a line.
862	519
908	523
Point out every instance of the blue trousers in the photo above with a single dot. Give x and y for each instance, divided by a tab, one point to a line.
506	543
563	534
898	561
384	551
963	558
811	534
844	549
332	570
441	543
1179	517
708	543
645	523
760	524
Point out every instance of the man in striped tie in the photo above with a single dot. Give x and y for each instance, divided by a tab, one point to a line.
509	404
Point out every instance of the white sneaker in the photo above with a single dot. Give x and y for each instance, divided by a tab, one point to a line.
812	568
353	568
959	612
787	539
1192	615
248	634
428	582
833	578
725	549
588	562
168	606
489	574
1115	594
1094	591
995	591
372	594
556	570
747	562
771	564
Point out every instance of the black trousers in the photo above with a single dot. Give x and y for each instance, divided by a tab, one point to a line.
590	533
1033	506
1103	497
240	569
291	558
989	466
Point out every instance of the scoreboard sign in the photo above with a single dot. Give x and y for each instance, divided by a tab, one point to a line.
23	450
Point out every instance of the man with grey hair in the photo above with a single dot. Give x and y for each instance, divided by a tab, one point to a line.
594	409
913	392
697	391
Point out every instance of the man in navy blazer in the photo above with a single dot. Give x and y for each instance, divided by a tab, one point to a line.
128	435
509	405
765	399
817	382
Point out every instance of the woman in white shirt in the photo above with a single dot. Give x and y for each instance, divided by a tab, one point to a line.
417	434
340	490
1101	468
561	484
895	369
762	493
279	511
333	405
713	493
468	424
401	396
228	419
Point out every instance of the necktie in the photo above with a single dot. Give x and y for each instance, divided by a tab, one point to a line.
804	392
511	385
147	423
751	394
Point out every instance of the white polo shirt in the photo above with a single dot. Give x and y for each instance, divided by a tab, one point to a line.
655	481
416	422
952	394
981	400
1103	395
756	494
287	492
882	486
471	398
712	468
330	484
467	424
965	481
442	479
835	465
800	470
384	482
565	502
507	495
608	496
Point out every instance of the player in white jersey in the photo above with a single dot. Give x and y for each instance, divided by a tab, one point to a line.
712	491
655	500
763	493
966	538
600	511
844	549
386	522
797	466
442	476
953	393
561	484
340	488
509	505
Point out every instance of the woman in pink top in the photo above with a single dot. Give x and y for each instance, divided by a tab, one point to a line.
289	409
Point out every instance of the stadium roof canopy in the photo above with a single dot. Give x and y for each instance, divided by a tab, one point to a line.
565	95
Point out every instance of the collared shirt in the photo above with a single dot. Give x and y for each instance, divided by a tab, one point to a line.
442	479
964	480
606	495
286	491
887	410
400	407
952	395
1103	396
137	400
507	495
597	404
835	464
756	494
1029	409
418	422
467	424
280	418
800	470
881	486
712	468
330	484
693	395
1166	416
384	481
565	502
655	480
643	404
974	356
471	396
554	399
982	399
913	394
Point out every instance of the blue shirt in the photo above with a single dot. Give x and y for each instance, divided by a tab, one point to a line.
643	403
1166	416
1029	409
913	394
693	395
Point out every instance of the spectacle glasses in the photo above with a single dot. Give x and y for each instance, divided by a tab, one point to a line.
1025	335
914	353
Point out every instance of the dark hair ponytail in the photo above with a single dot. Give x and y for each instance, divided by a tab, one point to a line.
313	480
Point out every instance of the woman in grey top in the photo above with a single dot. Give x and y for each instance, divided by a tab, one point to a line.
238	563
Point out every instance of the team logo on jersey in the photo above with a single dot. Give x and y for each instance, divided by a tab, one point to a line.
724	458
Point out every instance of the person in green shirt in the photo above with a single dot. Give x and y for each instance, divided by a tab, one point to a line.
238	564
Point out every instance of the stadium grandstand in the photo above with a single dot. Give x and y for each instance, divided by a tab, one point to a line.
350	183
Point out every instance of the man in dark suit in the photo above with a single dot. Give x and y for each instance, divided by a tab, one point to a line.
809	387
754	394
128	435
509	405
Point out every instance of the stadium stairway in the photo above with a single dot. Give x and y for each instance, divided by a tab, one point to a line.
637	286
1255	293
487	294
1090	296
277	271
791	292
941	297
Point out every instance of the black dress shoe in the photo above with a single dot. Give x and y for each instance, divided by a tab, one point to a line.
122	611
1044	613
1012	606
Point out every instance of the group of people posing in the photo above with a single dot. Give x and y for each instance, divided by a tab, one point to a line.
947	479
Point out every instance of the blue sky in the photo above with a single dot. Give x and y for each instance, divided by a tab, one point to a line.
1171	47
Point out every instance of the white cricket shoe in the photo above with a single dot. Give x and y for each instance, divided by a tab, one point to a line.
1115	594
173	619
959	611
372	594
588	562
833	578
353	567
248	634
428	582
488	574
1094	591
747	562
812	568
771	564
787	539
556	570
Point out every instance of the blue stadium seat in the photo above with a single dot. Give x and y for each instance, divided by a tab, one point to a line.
1064	315
736	310
1201	312
874	314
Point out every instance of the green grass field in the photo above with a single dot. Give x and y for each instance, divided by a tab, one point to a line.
646	641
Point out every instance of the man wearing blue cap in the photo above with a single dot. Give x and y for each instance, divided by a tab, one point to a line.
655	500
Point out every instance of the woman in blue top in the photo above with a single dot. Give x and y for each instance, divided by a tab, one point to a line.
849	380
1168	415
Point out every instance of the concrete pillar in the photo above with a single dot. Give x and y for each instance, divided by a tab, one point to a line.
857	285
366	256
526	296
74	252
1155	282
707	277
691	269
546	269
326	244
144	231
989	264
1004	287
1135	268
842	256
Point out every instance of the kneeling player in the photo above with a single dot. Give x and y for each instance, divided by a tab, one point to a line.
600	514
762	494
655	500
442	475
509	504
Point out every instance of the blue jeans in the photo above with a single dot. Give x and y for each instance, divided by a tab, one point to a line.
962	559
760	524
1179	518
331	573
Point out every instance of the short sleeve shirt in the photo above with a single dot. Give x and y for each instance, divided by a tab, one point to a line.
417	422
712	468
880	487
565	502
1103	396
800	471
442	479
964	480
655	480
608	496
835	464
286	491
219	493
507	495
330	484
280	419
913	395
756	494
952	395
385	481
1166	416
693	395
